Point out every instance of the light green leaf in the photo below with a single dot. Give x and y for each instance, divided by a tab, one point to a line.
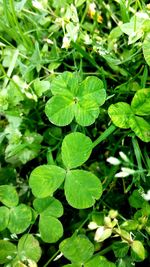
76	149
50	204
20	219
28	247
138	251
86	111
45	180
79	2
136	200
4	217
141	102
75	98
120	114
60	110
7	251
41	86
73	265
51	229
92	88
99	261
140	127
146	48
65	84
77	249
82	189
8	195
130	225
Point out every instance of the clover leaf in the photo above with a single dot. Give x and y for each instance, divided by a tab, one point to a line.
73	98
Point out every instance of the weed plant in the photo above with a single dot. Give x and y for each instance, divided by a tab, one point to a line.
74	133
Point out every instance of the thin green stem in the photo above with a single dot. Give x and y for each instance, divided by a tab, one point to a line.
104	135
138	156
53	257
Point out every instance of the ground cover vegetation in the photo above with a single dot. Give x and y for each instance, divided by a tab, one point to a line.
74	133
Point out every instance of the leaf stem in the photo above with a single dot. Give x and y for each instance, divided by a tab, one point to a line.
104	135
46	264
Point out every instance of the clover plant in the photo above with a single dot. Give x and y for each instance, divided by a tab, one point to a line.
74	133
75	98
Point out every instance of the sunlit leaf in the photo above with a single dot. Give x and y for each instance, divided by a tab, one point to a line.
59	110
141	128
82	189
76	149
138	250
8	195
20	219
28	247
77	249
120	114
4	217
141	102
51	229
7	251
50	204
44	180
146	48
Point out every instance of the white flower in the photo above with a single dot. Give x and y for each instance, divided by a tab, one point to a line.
92	7
102	233
113	161
37	4
123	156
87	39
99	232
92	225
66	42
146	196
125	172
58	256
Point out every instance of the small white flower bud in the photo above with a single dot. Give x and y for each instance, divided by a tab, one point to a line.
92	225
123	156
113	161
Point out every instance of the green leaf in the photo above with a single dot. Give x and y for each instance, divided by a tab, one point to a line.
65	84
59	110
79	2
74	98
82	189
76	149
146	48
4	217
51	229
7	251
50	204
93	88
28	247
41	86
140	127
20	219
136	200
138	251
45	180
99	261
77	249
98	218
141	102
73	265
120	114
86	111
120	249
130	225
8	195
